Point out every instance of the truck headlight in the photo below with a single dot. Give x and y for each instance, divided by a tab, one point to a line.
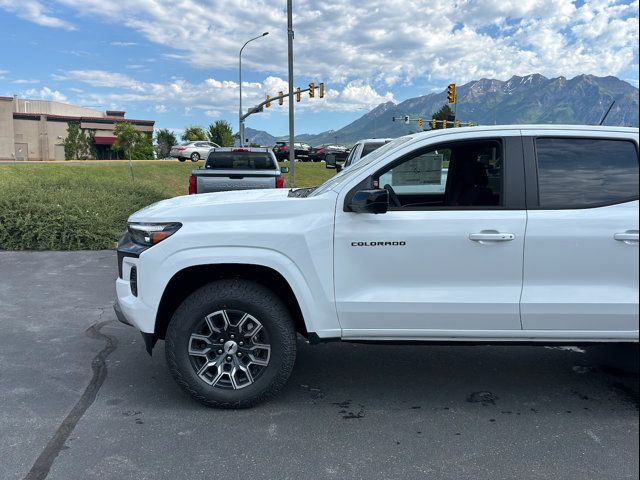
150	234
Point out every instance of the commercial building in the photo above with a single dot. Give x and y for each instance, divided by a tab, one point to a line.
36	129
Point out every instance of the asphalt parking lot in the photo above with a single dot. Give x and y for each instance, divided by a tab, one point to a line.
81	399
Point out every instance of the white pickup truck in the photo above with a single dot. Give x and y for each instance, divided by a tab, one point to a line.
483	234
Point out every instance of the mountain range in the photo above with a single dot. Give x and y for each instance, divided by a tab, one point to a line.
520	100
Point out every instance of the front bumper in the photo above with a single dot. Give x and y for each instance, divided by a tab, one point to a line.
131	309
150	339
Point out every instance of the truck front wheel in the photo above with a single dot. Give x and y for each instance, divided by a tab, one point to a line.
231	344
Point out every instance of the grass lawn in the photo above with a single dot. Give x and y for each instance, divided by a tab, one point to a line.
73	207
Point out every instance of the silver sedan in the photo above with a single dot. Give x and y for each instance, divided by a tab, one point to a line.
192	150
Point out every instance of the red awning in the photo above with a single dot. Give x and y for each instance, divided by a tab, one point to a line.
105	140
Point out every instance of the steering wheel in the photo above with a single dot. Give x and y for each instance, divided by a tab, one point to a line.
393	198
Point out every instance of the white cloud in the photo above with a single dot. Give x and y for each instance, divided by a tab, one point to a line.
213	96
99	78
35	12
45	93
25	81
391	42
123	44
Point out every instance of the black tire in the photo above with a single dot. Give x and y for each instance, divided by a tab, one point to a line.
231	296
195	156
181	159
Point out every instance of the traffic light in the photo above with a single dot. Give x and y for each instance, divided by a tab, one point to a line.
457	123
469	124
321	90
451	93
268	104
434	124
298	94
420	122
280	98
444	124
312	90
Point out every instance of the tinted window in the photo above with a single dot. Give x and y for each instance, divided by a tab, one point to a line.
240	161
370	147
577	172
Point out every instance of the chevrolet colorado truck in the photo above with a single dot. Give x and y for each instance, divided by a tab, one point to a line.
520	234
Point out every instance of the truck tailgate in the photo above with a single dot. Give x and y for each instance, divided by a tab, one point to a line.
222	180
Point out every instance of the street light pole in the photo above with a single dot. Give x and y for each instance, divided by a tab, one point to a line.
240	121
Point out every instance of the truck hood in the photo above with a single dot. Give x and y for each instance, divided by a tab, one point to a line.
206	206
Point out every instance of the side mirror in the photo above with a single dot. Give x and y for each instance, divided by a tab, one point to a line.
284	169
330	160
370	201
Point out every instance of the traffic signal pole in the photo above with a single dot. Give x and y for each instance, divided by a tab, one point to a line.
292	153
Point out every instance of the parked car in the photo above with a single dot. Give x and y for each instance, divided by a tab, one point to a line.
319	152
362	148
192	150
532	237
237	169
276	149
301	151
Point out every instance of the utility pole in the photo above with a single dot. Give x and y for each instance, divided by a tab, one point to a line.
292	151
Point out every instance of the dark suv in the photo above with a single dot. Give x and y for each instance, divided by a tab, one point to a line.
301	151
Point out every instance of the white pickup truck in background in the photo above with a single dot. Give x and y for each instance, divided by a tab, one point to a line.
237	169
484	234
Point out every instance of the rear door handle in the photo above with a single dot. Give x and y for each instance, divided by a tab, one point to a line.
491	237
630	236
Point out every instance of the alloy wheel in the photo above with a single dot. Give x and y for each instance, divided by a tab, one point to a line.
229	349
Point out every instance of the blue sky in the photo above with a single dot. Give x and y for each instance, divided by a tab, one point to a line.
176	62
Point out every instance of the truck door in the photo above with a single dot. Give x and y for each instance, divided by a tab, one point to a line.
581	254
446	258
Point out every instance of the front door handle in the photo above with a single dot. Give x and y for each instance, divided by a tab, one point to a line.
630	236
491	237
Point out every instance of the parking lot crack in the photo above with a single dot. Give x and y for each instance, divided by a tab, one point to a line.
44	462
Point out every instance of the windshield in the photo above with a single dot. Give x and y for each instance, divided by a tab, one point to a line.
346	174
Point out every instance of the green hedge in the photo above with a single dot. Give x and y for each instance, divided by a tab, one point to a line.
59	207
85	207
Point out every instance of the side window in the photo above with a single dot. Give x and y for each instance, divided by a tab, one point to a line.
581	172
459	174
351	155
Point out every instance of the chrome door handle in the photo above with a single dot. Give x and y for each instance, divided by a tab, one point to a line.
491	237
627	237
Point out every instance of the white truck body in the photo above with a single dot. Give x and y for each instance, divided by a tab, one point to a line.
482	234
563	276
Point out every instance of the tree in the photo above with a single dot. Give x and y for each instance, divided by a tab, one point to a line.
143	148
133	144
79	144
193	133
221	133
165	139
445	113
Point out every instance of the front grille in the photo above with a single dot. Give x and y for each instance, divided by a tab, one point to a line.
133	281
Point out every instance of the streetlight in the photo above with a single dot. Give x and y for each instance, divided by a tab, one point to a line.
241	123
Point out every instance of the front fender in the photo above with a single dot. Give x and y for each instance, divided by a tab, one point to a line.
316	301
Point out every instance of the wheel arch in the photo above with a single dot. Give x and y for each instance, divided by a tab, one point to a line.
189	279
